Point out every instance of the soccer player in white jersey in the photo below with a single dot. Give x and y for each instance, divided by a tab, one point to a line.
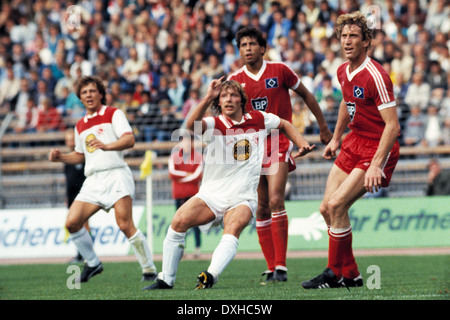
228	194
100	138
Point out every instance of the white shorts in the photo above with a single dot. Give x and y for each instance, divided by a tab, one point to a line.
219	207
105	188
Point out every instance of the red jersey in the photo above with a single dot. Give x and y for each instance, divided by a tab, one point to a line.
185	171
269	89
366	91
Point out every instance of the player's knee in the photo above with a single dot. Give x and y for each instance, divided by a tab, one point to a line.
276	203
73	226
323	208
335	208
179	223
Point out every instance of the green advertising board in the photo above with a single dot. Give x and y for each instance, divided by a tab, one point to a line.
377	223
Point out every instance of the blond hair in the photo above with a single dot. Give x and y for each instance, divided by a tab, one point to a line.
358	19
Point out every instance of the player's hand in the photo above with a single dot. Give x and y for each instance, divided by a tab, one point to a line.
303	151
373	179
325	136
330	150
54	155
97	144
214	87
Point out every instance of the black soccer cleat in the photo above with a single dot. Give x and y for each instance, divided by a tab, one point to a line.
89	272
269	277
158	285
327	279
355	282
205	280
149	276
280	275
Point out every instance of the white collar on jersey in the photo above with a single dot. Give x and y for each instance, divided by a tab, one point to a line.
229	123
90	116
363	65
257	76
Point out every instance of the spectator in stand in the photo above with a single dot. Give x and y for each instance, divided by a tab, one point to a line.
418	92
193	100
438	182
166	122
185	171
436	78
433	127
414	127
49	118
9	88
28	120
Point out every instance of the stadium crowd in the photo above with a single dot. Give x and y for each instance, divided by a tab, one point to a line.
158	57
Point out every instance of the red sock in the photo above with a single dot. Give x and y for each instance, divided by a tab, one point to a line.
264	231
350	268
339	249
280	236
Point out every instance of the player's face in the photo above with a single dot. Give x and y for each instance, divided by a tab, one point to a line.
230	103
352	44
250	50
91	97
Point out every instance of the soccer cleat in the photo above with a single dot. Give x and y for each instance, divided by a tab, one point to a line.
280	275
355	282
269	277
205	280
149	276
327	279
89	272
158	285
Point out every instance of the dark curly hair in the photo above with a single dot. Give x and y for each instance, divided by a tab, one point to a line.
236	86
92	79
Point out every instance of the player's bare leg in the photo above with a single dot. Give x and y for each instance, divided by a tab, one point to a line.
234	222
124	218
79	213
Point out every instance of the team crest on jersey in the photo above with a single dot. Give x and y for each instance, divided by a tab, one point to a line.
242	150
358	92
351	109
260	104
271	83
89	138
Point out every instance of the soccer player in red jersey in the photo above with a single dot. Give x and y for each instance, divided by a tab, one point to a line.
369	153
267	85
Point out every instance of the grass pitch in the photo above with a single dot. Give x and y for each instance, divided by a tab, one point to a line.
400	278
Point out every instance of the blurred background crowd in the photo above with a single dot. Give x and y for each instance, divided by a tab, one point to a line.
157	58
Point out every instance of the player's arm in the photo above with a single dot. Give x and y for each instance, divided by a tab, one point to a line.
390	133
311	102
126	141
292	134
198	113
342	122
73	157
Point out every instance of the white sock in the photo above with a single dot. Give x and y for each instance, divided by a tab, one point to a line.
142	251
223	254
173	250
85	246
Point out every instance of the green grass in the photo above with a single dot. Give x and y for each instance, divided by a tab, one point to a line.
402	278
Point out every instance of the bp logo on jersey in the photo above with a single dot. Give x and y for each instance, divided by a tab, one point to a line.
351	108
242	150
259	104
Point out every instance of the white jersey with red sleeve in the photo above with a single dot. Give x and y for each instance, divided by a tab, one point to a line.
234	155
106	125
269	89
366	91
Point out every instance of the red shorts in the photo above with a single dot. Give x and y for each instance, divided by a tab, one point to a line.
358	151
278	149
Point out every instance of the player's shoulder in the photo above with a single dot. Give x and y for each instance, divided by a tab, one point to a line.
236	73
